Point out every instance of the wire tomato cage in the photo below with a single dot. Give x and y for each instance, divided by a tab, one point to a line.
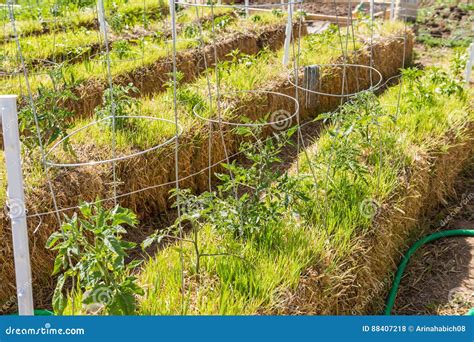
280	118
345	69
116	159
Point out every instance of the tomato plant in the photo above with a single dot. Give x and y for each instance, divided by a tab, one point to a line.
92	255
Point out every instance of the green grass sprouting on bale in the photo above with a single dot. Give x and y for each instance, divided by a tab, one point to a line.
74	45
358	158
126	54
49	16
69	44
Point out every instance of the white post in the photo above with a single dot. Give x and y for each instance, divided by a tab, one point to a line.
396	11
173	20
288	33
101	16
392	10
16	204
247	4
372	10
469	63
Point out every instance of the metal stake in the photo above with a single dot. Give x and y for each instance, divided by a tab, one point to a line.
469	63
288	33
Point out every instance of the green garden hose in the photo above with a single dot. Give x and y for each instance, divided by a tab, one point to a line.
40	313
411	251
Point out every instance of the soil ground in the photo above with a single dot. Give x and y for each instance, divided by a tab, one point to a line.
327	8
445	25
440	277
332	8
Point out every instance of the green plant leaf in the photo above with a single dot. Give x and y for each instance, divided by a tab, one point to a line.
53	239
59	299
148	241
134	263
58	264
114	245
124	218
124	303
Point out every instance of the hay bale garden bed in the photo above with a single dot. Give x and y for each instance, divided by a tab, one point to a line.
243	234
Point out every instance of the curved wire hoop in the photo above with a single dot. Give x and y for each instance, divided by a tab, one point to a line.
283	117
105	161
291	76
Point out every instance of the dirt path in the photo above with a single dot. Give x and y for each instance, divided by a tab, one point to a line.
440	277
333	8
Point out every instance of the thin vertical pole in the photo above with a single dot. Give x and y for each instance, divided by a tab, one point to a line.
392	9
174	34
469	63
396	11
372	10
16	204
247	4
101	17
103	29
288	33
